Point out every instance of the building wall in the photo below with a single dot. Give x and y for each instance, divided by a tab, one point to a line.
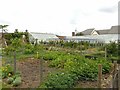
106	37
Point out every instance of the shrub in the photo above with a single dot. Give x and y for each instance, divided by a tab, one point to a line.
29	49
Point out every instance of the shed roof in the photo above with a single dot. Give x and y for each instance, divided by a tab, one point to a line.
112	30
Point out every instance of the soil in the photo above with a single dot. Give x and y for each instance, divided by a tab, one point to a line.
86	84
30	72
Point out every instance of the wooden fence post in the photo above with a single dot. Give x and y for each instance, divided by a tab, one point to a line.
37	55
119	78
105	53
99	76
115	67
114	73
14	62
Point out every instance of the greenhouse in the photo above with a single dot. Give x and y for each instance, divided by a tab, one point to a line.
42	37
83	38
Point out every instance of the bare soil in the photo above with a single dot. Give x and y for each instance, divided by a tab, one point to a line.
30	72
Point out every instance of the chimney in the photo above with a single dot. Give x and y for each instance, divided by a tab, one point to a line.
16	31
73	33
26	30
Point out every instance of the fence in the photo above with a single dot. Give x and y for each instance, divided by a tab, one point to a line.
113	80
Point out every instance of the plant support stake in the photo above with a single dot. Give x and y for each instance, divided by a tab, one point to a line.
99	76
14	61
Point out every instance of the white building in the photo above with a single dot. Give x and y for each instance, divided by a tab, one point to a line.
106	35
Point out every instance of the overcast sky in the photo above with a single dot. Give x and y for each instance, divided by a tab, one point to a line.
58	16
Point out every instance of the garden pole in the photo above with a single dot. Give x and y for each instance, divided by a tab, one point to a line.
114	72
99	76
14	62
119	78
105	53
81	48
37	55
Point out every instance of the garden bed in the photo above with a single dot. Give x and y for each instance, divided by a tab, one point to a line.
30	72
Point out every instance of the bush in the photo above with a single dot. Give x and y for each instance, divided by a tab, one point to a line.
29	49
106	65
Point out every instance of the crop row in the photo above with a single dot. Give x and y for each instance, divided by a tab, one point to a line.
74	67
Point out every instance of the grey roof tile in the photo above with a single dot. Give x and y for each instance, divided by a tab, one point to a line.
87	32
112	30
105	31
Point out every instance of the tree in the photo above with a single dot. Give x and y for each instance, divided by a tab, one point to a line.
112	49
3	30
79	34
2	27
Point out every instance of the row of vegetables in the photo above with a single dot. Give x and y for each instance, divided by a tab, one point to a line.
73	68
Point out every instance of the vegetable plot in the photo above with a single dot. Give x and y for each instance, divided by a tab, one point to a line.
74	68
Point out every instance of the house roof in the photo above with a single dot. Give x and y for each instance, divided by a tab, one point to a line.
87	32
105	31
112	30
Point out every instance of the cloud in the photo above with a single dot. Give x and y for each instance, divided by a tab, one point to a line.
76	15
4	22
108	9
57	15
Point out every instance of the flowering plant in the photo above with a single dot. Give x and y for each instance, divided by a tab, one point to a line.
7	71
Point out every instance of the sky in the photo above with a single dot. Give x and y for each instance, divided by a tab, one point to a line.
58	16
